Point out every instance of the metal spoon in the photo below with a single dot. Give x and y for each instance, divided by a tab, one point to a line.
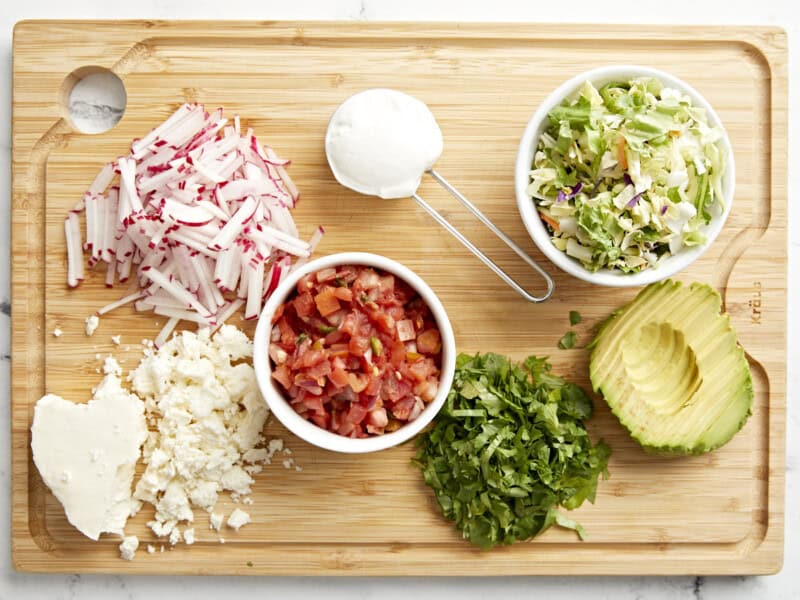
361	120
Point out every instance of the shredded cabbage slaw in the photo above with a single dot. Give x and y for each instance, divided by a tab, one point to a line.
627	175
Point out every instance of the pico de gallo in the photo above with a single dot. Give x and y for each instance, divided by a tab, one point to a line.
357	351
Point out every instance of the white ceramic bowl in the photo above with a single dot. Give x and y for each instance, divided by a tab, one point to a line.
530	216
307	430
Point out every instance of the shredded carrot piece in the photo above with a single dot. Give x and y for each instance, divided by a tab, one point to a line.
621	157
550	221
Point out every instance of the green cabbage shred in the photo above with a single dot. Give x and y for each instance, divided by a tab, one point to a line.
627	175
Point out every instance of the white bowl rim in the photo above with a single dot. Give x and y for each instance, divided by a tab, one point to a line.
307	430
533	223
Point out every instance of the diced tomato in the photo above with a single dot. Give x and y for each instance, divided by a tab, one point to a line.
393	389
353	344
339	350
344	294
305	284
319	370
373	386
335	337
345	427
358	346
278	313
402	408
397	353
314	404
429	342
422	369
382	320
288	336
304	305
283	375
321	420
427	390
339	377
326	301
356	413
308	358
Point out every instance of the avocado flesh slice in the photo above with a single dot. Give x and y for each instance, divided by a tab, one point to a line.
670	369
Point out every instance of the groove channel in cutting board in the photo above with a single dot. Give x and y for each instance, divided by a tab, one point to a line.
371	514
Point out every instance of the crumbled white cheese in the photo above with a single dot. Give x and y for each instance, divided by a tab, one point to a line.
116	339
238	519
215	521
288	463
111	366
127	549
255	455
174	536
86	454
275	445
57	332
188	536
91	324
209	415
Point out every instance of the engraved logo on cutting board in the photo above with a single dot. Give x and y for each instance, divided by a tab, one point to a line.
755	304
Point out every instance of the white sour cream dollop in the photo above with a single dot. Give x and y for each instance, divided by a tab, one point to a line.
380	142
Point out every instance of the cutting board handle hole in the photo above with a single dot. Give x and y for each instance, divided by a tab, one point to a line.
93	99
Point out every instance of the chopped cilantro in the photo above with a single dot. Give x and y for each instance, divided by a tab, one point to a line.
574	317
568	340
508	448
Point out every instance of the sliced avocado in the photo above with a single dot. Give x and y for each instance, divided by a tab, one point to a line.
670	368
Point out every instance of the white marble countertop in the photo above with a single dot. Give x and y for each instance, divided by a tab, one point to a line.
18	586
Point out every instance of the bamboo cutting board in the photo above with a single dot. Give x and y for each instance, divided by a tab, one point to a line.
368	515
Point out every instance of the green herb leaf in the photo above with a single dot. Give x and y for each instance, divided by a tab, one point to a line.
574	317
508	448
568	340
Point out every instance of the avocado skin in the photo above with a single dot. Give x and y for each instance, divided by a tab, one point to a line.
708	440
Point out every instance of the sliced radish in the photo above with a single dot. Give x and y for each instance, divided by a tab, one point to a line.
199	215
168	328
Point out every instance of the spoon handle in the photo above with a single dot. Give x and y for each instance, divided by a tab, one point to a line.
472	248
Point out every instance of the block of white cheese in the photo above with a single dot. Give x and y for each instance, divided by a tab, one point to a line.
86	454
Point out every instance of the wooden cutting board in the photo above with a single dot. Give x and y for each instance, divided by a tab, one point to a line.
368	515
